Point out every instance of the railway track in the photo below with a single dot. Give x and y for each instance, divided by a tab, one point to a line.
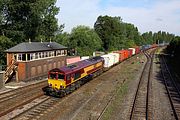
37	110
145	110
16	92
171	87
141	108
11	100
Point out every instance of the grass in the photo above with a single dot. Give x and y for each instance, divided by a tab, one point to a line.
122	89
120	93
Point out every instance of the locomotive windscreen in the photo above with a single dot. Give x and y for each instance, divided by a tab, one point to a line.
55	75
52	76
61	76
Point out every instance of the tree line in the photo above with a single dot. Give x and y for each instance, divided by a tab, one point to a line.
174	47
109	33
21	20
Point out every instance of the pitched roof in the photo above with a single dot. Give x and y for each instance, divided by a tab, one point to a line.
35	47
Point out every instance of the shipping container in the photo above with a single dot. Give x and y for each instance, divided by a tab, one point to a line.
98	53
137	50
72	59
123	54
116	57
84	57
130	52
133	50
108	60
126	54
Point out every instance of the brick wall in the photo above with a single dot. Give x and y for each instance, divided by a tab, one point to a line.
1	79
39	68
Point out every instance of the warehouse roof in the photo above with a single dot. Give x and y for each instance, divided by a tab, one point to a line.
35	47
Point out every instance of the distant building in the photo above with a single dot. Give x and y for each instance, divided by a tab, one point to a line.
32	60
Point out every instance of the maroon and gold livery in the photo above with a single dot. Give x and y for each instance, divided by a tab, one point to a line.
64	80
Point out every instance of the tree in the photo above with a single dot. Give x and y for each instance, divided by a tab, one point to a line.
63	38
111	31
174	46
4	44
116	34
84	40
24	19
133	34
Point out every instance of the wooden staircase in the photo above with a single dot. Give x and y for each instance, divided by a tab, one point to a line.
9	72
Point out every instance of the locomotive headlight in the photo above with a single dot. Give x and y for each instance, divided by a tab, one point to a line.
50	84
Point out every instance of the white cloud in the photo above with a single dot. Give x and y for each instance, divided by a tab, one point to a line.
77	12
161	16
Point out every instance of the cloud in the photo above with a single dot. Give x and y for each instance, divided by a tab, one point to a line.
77	12
159	19
149	16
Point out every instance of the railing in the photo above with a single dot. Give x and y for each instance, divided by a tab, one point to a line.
9	71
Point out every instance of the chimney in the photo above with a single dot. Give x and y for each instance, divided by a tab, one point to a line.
29	40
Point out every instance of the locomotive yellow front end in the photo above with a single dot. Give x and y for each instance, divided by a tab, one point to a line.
56	84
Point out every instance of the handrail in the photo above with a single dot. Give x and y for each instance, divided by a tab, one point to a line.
9	70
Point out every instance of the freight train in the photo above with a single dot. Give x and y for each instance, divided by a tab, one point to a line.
64	80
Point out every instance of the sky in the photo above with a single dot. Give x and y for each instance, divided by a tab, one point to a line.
147	15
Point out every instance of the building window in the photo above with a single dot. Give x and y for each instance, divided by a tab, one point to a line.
28	57
52	53
49	54
65	52
32	56
36	55
62	52
46	54
39	55
55	54
21	57
58	52
42	54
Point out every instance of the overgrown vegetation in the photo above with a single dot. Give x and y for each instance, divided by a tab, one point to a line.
174	50
174	47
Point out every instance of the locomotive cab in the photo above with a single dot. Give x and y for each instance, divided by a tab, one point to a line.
56	80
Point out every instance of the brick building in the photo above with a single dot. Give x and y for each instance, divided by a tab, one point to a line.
32	60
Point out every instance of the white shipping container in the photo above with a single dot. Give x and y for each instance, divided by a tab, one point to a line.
116	57
133	51
84	57
108	60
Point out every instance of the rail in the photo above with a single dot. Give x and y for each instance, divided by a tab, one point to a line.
171	87
140	106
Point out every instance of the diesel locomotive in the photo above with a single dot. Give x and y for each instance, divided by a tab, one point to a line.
64	80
